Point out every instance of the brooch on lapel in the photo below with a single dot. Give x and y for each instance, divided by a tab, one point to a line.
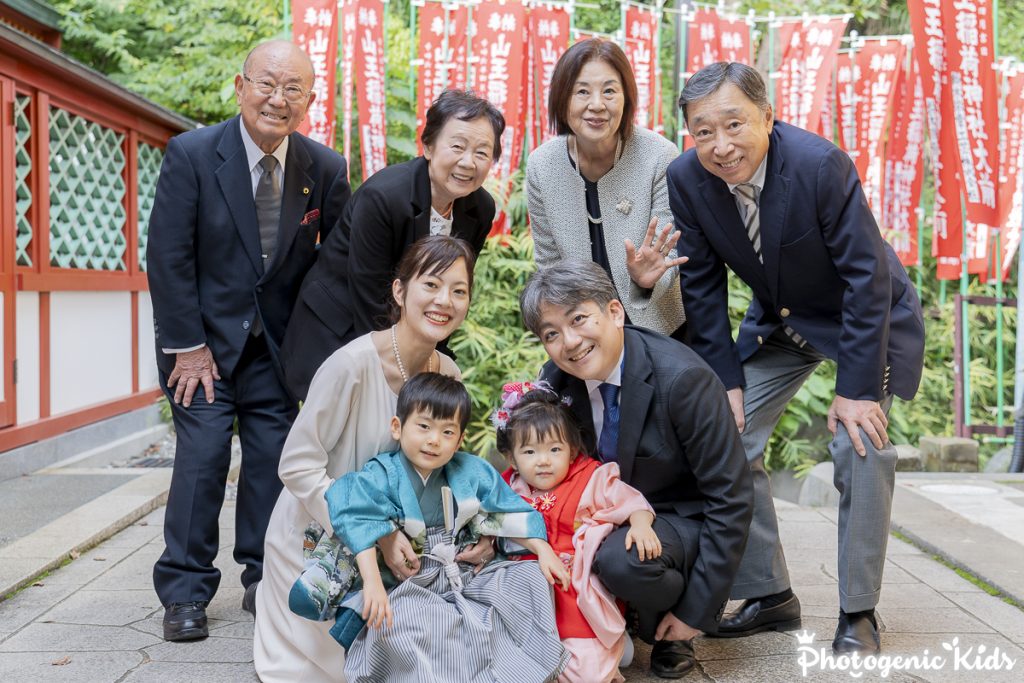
624	206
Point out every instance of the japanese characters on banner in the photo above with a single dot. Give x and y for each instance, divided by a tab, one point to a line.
370	85
970	54
641	31
1011	161
348	10
904	168
808	55
702	42
847	75
498	75
930	48
442	55
549	35
880	63
314	29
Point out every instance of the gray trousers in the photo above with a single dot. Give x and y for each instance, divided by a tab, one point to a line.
773	376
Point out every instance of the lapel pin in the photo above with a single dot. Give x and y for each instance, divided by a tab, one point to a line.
624	206
305	190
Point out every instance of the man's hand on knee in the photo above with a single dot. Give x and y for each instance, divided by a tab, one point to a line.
672	628
191	369
736	405
856	415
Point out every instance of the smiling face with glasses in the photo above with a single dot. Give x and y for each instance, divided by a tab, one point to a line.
273	92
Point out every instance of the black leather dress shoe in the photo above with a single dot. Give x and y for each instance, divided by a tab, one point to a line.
185	621
249	599
753	618
672	658
857	632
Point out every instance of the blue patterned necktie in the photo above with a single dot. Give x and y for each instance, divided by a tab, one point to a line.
607	446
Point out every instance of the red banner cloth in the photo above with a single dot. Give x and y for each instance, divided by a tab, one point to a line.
847	75
641	31
549	35
442	56
370	92
904	168
880	63
808	55
930	49
348	10
733	40
1011	162
970	55
315	30
703	42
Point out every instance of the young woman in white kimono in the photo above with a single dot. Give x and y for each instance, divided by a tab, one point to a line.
448	622
342	425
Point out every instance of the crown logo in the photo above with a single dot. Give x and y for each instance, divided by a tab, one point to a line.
804	637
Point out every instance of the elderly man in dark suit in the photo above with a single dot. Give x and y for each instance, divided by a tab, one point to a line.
653	406
239	208
784	209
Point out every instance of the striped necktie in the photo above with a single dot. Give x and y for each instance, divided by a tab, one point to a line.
750	196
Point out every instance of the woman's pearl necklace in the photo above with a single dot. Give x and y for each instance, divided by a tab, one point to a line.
398	357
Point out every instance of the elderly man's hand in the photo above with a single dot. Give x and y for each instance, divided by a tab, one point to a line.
672	628
855	415
191	369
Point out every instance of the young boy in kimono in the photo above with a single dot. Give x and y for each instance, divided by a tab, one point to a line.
451	621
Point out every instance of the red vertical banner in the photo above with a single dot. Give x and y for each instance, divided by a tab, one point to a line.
904	168
703	40
441	56
808	54
549	37
970	55
370	92
641	33
733	40
348	10
930	49
500	47
315	30
1011	161
846	76
880	64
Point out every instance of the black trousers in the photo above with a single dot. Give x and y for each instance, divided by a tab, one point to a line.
264	410
651	587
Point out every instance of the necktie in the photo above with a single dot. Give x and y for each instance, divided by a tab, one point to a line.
268	207
750	196
607	446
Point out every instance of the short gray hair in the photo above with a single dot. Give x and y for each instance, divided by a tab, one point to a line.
564	285
708	80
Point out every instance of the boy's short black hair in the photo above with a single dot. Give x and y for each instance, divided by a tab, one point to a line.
440	396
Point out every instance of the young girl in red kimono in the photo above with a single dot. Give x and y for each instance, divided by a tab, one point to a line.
582	502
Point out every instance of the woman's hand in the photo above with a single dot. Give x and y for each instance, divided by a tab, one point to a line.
376	607
648	545
552	566
399	555
647	264
479	554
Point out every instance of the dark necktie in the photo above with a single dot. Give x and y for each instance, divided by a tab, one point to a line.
607	447
268	207
750	197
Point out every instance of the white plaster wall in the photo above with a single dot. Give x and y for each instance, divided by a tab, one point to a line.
148	378
90	348
26	328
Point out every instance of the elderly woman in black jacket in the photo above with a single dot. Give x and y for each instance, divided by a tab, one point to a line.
344	294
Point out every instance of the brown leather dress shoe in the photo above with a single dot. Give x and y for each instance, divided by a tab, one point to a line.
857	632
752	617
672	658
185	621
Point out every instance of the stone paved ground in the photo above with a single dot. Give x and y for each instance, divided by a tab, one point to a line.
98	619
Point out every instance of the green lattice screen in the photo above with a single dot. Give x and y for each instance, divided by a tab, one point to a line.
87	189
149	160
22	170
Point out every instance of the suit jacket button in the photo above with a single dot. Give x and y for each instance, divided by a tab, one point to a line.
259	290
245	324
760	340
784	312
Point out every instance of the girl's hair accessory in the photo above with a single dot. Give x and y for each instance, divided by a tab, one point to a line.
514	392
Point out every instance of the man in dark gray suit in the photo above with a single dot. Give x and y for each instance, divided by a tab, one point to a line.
238	211
654	407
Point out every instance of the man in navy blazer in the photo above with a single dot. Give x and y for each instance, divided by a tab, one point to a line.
785	211
238	212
